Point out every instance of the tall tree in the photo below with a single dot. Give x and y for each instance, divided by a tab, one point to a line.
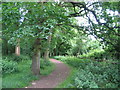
46	53
10	23
103	21
36	21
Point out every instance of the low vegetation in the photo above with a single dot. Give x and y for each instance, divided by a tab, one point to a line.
91	74
18	74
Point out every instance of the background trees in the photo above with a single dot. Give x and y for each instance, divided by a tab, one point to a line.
103	21
34	22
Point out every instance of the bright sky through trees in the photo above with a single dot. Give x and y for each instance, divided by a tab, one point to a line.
83	21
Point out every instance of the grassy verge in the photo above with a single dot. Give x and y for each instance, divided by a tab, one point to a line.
48	69
67	81
24	76
19	79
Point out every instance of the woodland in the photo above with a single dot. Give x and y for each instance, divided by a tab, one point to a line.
83	35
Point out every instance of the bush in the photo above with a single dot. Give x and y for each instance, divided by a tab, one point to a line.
9	66
73	61
44	63
94	75
98	55
23	78
61	58
95	54
85	79
20	58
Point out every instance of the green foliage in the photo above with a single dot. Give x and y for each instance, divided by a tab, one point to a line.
19	79
62	58
20	58
84	80
94	54
97	76
109	33
76	62
44	63
38	19
10	63
73	61
92	74
16	58
24	75
69	78
28	21
10	19
9	66
98	55
46	67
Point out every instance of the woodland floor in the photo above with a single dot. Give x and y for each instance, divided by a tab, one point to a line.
59	74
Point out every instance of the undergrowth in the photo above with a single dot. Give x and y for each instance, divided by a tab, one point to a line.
91	74
19	75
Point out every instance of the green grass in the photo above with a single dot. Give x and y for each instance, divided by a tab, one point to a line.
23	78
48	69
19	79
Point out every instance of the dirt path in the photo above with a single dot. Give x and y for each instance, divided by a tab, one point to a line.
56	77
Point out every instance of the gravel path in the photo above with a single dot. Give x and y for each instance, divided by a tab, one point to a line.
56	77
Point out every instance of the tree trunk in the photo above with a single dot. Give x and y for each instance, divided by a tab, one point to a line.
46	54
36	63
36	58
17	48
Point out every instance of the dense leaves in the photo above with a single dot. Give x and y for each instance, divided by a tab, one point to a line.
92	74
35	20
9	66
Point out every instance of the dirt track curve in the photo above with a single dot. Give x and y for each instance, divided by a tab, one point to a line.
59	74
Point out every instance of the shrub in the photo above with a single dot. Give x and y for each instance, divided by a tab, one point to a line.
9	66
95	75
20	58
44	63
85	79
98	55
23	78
61	58
73	61
92	74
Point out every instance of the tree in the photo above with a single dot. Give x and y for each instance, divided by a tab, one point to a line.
104	26
46	54
10	24
42	24
36	21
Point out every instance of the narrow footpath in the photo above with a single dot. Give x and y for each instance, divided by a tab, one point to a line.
59	74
